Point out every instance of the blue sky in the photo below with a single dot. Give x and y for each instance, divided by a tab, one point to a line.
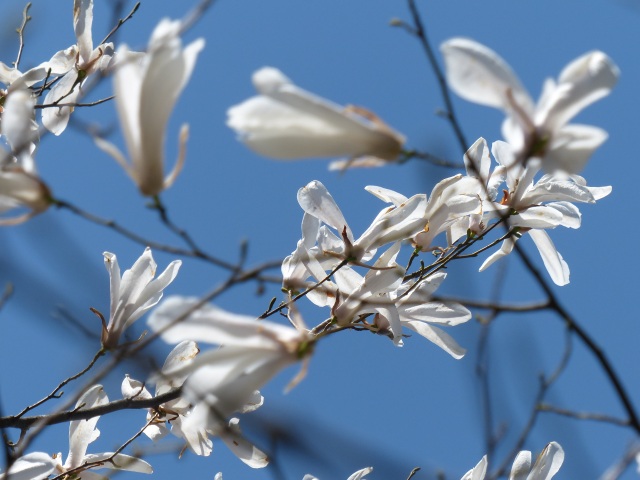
364	402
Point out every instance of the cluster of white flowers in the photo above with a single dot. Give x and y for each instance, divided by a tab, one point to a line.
531	188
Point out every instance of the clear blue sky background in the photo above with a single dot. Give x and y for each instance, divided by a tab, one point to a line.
364	402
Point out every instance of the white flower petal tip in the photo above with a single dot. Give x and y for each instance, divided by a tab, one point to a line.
147	87
286	122
133	294
478	74
33	466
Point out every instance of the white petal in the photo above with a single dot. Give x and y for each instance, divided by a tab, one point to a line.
437	336
553	261
120	462
478	472
316	200
241	447
521	466
479	75
83	432
33	466
548	462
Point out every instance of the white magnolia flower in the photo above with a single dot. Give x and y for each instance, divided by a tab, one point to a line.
175	411
20	185
451	199
539	206
397	222
147	87
133	294
545	467
33	466
479	75
286	122
224	381
78	62
82	433
359	475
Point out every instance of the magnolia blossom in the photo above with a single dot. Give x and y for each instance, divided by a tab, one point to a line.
478	74
394	223
539	206
224	381
133	294
20	185
78	62
545	467
359	475
286	122
82	433
33	466
147	87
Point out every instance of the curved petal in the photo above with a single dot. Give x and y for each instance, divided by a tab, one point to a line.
83	432
479	75
120	462
33	466
316	200
553	261
548	462
582	82
438	336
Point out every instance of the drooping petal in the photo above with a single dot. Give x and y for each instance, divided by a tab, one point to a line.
241	447
438	336
553	261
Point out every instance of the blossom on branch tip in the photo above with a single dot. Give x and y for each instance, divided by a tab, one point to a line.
78	62
133	294
147	87
175	411
359	475
480	75
223	381
286	122
535	206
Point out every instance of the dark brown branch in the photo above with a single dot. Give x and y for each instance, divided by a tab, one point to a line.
24	423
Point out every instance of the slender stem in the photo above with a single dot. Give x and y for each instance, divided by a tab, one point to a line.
20	30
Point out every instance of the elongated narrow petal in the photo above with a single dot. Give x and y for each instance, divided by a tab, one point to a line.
82	21
553	261
83	432
241	447
478	472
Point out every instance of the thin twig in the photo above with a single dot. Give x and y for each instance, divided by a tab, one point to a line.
54	393
598	417
432	159
419	31
20	30
192	17
121	22
74	105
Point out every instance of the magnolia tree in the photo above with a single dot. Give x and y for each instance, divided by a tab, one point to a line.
500	199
